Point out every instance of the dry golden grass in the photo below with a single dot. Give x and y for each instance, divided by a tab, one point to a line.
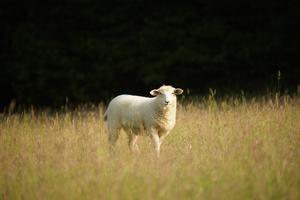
227	150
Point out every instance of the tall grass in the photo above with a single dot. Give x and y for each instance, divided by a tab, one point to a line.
232	149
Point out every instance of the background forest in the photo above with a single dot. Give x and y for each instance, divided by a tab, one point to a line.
91	50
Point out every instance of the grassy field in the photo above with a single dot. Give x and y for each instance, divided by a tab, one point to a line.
232	149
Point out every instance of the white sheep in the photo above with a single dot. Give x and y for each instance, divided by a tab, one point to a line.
138	115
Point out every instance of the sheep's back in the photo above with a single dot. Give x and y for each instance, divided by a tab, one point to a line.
128	109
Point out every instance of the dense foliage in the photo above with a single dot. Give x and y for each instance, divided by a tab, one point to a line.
91	50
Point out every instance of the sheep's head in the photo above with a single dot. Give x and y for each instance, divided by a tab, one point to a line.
166	94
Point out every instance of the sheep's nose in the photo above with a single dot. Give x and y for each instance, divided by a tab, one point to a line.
167	102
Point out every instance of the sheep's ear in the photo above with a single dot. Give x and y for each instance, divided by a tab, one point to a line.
178	91
154	92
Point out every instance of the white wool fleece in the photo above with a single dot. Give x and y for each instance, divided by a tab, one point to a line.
135	114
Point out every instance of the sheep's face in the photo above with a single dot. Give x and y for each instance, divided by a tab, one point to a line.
166	94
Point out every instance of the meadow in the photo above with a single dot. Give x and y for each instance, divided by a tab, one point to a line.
228	149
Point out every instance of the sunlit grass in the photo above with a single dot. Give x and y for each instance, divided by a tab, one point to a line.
232	149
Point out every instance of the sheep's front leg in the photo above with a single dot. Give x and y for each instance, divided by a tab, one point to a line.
156	141
163	136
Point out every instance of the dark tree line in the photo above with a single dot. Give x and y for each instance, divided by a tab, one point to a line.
91	50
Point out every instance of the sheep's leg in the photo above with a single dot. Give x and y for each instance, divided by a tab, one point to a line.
163	136
156	141
136	147
132	139
113	136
